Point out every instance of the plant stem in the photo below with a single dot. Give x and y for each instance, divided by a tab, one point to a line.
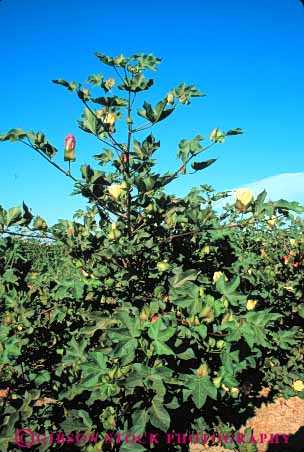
129	199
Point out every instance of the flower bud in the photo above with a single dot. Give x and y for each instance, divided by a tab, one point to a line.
69	151
217	275
203	370
217	381
182	99
271	221
170	98
234	392
154	319
40	223
143	316
110	83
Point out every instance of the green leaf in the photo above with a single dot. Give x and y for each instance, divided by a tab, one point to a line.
189	148
258	205
187	354
197	166
282	205
236	131
75	352
71	86
156	114
201	330
90	122
136	84
286	339
140	418
93	369
187	297
227	288
99	322
110	101
130	447
159	416
158	330
95	79
119	61
13	216
181	277
201	388
13	135
146	61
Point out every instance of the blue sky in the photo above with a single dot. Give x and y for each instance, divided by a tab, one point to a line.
246	56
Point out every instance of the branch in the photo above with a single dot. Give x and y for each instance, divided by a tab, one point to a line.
68	174
212	228
22	234
129	199
114	143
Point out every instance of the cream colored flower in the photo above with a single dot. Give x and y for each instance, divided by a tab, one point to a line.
298	385
292	242
244	196
217	136
251	304
109	119
116	190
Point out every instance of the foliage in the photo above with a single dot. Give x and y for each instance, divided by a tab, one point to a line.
148	312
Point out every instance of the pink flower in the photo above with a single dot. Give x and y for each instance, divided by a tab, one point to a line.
70	142
154	319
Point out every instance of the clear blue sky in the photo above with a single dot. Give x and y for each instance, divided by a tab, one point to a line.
247	56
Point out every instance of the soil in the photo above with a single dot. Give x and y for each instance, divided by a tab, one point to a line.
281	416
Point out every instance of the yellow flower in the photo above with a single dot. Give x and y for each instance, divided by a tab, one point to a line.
251	304
116	190
298	385
244	196
225	387
292	242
